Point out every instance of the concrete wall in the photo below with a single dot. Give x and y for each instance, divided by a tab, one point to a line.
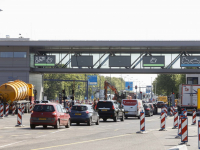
37	81
14	68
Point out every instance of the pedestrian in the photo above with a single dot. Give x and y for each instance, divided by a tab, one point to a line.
95	105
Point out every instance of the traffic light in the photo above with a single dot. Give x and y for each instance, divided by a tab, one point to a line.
136	87
63	91
60	98
128	87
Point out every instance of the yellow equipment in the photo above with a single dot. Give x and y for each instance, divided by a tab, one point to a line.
15	91
163	99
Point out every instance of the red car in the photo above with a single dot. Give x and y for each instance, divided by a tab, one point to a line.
49	114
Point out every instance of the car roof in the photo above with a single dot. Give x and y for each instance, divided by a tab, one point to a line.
81	105
107	100
47	104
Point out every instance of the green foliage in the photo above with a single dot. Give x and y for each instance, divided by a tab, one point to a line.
53	88
166	82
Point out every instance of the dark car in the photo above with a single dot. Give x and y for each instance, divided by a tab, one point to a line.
110	109
81	113
49	114
160	104
148	109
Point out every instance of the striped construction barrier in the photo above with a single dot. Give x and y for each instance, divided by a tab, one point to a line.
7	110
162	121
194	117
165	109
185	112
13	110
171	111
1	110
179	126
173	107
142	121
199	134
175	120
19	117
23	108
31	107
184	129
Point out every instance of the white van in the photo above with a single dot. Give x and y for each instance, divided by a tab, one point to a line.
132	107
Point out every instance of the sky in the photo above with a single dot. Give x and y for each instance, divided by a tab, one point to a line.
101	20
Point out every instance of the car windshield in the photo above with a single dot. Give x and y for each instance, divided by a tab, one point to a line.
146	105
44	108
104	104
79	108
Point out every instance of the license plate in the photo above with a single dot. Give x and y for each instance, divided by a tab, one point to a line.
189	109
104	110
126	112
42	118
77	114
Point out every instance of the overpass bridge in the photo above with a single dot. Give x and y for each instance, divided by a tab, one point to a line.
27	60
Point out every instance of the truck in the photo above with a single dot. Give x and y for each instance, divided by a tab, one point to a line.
17	92
163	99
187	98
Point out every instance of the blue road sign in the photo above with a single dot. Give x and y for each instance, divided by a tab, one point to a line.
129	86
148	89
92	80
92	97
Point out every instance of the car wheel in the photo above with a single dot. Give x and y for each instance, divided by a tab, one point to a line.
44	126
115	119
57	126
97	123
68	124
89	122
77	123
32	126
104	119
122	119
138	117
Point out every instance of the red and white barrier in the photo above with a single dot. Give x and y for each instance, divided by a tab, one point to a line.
162	121
19	117
165	109
199	134
7	110
194	117
184	129
13	110
31	107
173	107
142	121
23	108
1	110
175	120
171	111
179	126
185	112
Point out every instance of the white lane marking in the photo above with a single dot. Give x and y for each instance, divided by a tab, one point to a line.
11	144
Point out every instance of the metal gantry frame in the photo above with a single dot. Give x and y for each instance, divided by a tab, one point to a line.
102	60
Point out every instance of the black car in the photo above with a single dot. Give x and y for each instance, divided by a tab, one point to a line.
148	109
82	113
160	104
110	109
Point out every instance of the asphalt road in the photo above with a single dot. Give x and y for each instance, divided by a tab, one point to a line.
108	135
